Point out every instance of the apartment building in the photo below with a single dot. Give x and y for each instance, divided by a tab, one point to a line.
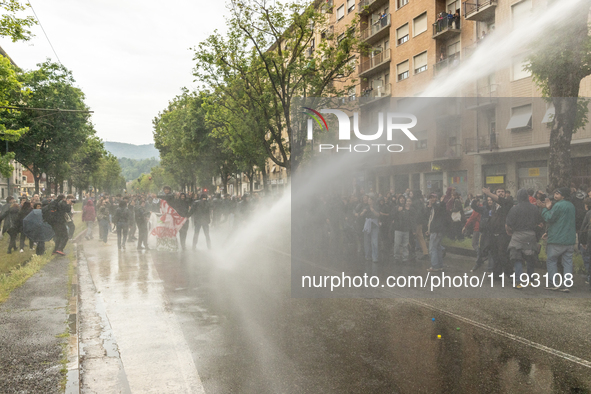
495	135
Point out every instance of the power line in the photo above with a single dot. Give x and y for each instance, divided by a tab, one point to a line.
46	36
47	109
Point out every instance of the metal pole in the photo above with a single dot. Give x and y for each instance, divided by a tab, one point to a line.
47	109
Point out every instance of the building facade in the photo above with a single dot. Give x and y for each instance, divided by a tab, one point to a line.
497	135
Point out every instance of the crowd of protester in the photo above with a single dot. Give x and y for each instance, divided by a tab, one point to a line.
55	210
128	215
506	233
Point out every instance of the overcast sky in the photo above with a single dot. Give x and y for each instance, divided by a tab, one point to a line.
129	57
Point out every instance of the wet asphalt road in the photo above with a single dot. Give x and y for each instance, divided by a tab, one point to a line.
223	321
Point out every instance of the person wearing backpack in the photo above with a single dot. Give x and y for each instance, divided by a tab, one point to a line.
121	219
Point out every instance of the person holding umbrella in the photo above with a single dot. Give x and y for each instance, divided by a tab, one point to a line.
36	229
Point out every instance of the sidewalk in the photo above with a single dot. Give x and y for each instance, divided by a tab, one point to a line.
34	332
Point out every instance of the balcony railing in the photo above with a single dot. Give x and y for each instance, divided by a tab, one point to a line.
444	66
376	27
369	4
445	152
375	61
378	92
488	142
445	27
480	10
486	96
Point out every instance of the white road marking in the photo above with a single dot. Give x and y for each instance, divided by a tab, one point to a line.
524	341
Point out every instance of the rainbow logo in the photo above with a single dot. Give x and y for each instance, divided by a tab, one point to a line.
316	116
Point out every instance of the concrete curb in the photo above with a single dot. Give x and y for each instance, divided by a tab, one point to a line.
73	366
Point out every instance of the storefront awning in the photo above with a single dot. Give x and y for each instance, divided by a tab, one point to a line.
520	117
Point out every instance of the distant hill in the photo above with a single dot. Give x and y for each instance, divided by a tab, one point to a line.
131	151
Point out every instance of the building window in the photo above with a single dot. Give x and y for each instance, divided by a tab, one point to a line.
402	70
341	37
419	24
420	62
402	3
520	12
518	69
402	34
452	49
350	5
520	118
340	12
421	142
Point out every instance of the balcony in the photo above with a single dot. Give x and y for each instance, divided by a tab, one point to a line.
377	30
486	97
327	7
480	10
376	63
483	143
370	95
445	66
368	6
447	152
446	28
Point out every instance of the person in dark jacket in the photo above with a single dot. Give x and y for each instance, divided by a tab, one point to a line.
499	241
183	205
521	223
435	228
121	219
62	207
404	223
141	219
201	214
420	215
102	217
10	222
485	211
131	208
23	212
40	250
5	209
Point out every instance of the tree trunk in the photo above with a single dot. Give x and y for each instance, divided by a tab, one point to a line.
36	178
559	160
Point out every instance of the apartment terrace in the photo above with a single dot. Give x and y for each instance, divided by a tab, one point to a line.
376	30
480	10
375	63
446	28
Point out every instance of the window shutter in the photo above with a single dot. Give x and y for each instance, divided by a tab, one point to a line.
420	24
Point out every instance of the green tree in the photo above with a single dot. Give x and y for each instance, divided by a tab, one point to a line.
86	162
9	86
558	64
53	137
12	26
269	48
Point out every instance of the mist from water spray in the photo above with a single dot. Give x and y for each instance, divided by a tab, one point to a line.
497	51
501	47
